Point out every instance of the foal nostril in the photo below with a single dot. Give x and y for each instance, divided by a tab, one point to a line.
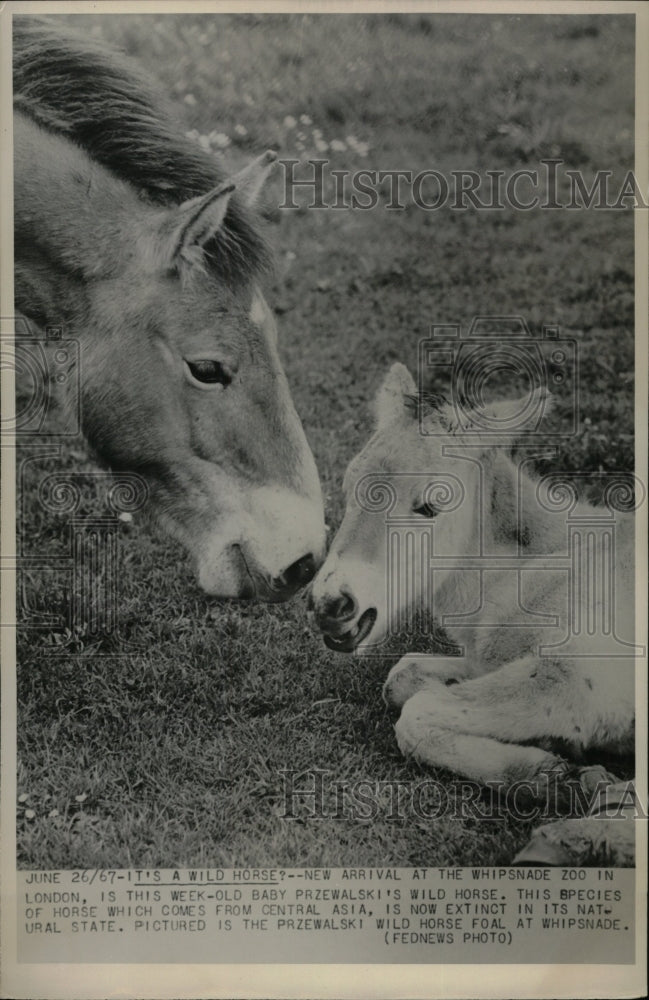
342	607
299	573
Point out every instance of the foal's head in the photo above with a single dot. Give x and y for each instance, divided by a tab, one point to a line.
423	467
183	383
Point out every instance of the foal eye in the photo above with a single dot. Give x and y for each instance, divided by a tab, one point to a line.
209	372
425	510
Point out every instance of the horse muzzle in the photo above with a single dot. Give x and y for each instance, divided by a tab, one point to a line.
235	575
292	580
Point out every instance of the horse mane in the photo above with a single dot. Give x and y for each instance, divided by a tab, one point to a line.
97	98
425	403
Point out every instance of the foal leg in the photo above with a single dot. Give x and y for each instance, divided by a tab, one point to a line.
476	727
416	671
421	734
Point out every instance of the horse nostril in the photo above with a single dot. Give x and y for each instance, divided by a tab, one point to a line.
343	607
300	572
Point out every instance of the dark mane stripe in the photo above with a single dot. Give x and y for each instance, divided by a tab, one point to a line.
96	97
424	403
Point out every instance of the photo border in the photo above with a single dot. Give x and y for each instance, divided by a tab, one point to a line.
206	981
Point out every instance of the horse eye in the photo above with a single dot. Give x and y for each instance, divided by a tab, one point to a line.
425	510
209	372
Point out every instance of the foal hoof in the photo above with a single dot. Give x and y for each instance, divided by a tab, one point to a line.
595	778
410	674
401	683
573	789
577	843
542	852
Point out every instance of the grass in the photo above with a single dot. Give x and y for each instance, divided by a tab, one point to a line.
170	753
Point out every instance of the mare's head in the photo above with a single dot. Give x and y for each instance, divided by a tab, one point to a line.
137	241
415	472
182	382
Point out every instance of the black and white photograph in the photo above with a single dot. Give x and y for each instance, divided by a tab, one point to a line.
324	358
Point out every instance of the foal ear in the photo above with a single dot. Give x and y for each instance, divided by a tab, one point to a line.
511	418
390	401
252	178
523	414
187	227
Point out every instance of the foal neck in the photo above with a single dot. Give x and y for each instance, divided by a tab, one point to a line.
509	521
516	520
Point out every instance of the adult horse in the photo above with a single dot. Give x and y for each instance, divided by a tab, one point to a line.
542	613
135	241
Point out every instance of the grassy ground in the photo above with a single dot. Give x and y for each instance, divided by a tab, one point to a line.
171	754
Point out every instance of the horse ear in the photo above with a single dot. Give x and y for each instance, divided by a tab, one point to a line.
392	396
187	227
252	178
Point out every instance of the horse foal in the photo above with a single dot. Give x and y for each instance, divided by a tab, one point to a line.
544	678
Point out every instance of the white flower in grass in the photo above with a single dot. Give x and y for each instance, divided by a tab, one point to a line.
241	130
338	145
305	120
289	122
190	99
362	148
317	133
204	142
321	145
220	139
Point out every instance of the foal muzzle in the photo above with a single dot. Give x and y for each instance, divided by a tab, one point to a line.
338	620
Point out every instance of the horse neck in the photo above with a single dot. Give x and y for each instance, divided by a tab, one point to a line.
73	220
511	522
517	522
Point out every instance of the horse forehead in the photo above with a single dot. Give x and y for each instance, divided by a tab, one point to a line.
403	449
208	310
